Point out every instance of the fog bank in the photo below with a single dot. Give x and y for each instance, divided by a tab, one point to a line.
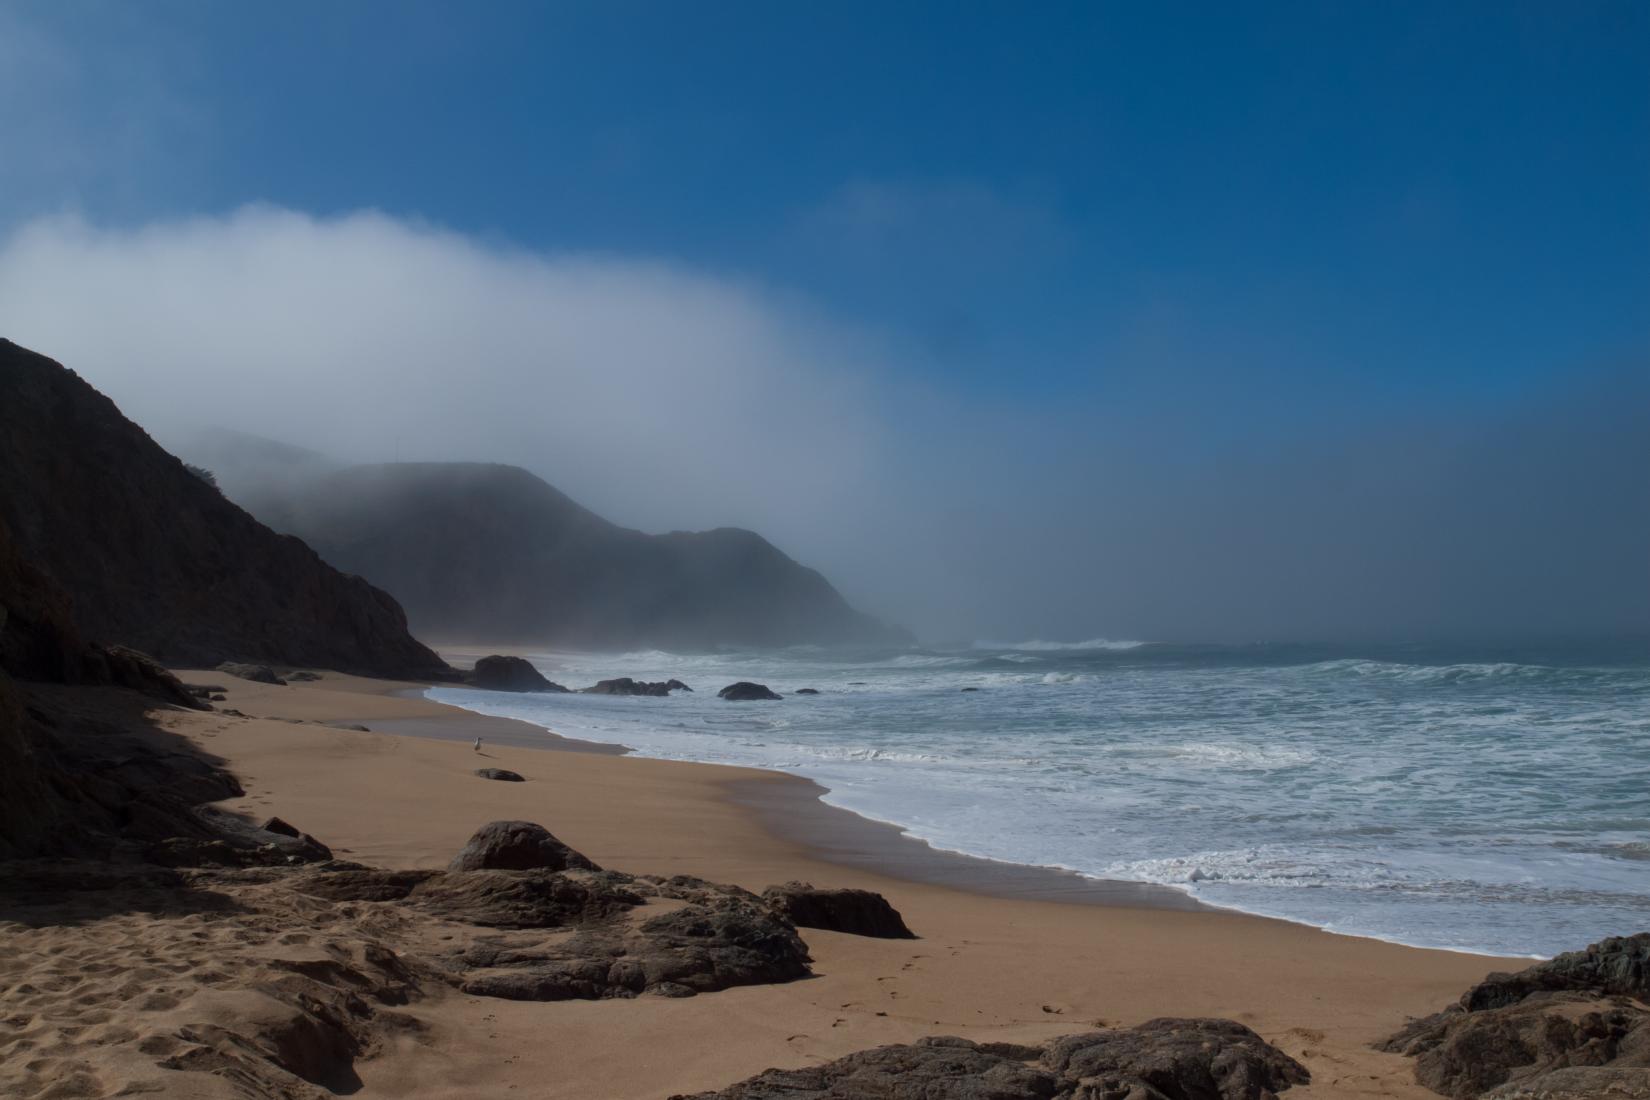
1192	493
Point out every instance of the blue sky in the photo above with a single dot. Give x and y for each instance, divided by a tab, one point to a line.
1208	222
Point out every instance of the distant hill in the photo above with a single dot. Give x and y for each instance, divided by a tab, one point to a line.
154	557
491	553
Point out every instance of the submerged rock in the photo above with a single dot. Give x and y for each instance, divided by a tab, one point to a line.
517	846
1167	1059
745	690
624	685
858	912
502	673
807	691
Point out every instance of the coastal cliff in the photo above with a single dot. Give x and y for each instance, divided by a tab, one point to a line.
153	556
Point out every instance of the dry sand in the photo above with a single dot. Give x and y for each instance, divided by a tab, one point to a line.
1003	954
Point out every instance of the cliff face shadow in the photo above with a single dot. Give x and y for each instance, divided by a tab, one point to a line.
41	893
98	795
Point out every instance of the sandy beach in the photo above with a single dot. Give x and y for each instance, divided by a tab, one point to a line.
1022	957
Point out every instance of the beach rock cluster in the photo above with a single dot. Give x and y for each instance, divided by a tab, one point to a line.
624	685
516	877
517	846
504	673
1575	1025
859	912
1165	1059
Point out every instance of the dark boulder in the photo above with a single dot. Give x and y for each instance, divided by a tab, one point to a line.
858	912
1514	1034
745	690
1159	1060
503	774
1184	1059
807	691
624	685
939	1068
1578	1083
502	673
261	674
517	846
723	941
522	899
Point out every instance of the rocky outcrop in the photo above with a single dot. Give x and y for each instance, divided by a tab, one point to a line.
504	775
718	937
502	673
721	939
624	685
857	912
1166	1059
258	674
745	691
807	691
155	558
489	551
1527	1034
517	846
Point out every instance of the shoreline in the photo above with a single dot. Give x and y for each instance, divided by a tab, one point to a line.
1032	956
794	808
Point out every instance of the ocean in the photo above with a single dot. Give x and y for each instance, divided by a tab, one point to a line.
1495	801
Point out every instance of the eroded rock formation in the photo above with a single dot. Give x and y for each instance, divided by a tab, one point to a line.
1532	1033
1165	1059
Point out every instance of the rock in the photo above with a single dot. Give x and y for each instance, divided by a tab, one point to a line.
218	698
1159	1060
858	912
261	674
745	690
723	941
503	774
301	676
624	685
1618	966
502	673
523	899
517	846
1578	1083
1511	1033
807	691
276	825
204	691
1180	1058
971	689
1462	1053
940	1068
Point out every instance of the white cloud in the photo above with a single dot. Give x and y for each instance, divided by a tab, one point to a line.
660	396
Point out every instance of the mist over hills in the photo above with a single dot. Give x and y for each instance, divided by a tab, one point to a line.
491	553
